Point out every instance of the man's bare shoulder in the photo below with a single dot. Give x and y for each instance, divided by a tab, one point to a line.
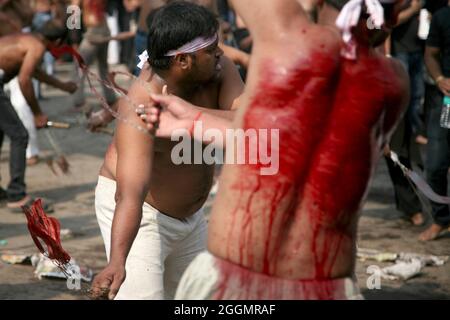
145	84
228	68
30	40
325	38
309	40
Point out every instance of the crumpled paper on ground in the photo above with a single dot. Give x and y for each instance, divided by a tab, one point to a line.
427	260
380	256
407	265
371	254
402	270
16	258
45	268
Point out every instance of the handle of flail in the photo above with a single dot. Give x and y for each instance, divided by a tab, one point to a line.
58	125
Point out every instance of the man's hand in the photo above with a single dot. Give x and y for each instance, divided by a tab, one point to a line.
416	5
444	85
107	283
40	120
175	114
70	87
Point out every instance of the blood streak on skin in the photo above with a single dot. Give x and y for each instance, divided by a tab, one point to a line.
328	150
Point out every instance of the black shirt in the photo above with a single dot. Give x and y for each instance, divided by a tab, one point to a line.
439	37
404	37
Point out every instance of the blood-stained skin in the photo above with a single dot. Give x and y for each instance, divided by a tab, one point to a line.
331	133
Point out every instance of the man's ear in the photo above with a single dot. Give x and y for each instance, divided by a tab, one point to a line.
184	61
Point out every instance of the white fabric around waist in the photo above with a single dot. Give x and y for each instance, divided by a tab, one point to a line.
108	187
204	279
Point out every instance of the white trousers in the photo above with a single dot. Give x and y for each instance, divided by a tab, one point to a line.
161	252
25	115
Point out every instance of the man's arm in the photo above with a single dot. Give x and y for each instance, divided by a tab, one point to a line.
407	13
179	114
268	19
133	171
232	86
69	87
433	54
432	57
237	56
31	60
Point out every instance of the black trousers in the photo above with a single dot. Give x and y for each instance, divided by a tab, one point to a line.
405	198
12	127
438	155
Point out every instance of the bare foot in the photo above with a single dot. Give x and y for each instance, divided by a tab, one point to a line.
420	139
32	161
432	233
18	204
417	219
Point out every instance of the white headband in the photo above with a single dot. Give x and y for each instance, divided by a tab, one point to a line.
193	46
349	16
190	47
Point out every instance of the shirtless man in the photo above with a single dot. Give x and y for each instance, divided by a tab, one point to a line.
94	21
103	117
149	209
292	235
20	55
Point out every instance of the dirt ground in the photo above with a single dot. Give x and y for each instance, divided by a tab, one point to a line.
381	227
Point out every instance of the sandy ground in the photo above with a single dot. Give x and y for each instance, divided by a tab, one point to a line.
381	226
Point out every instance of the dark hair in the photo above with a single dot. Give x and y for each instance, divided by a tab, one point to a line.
174	25
53	31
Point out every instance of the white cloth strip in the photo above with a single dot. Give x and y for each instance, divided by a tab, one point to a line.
193	46
143	57
349	17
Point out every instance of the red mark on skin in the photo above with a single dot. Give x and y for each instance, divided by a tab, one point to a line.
47	229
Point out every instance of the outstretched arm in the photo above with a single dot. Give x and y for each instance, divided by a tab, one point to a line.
31	60
267	19
133	173
178	114
69	86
